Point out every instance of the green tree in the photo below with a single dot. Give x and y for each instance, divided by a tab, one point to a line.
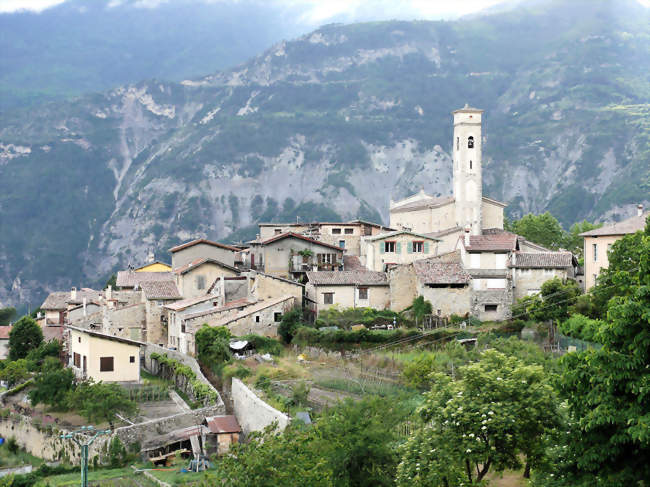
213	345
99	401
15	372
555	300
52	386
46	350
6	315
24	336
420	308
541	229
499	410
607	389
291	321
111	281
574	242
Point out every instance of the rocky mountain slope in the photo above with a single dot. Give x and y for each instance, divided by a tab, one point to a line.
331	125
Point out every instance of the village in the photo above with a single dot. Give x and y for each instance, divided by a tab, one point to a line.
143	331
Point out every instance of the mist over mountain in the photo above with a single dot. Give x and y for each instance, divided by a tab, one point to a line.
330	125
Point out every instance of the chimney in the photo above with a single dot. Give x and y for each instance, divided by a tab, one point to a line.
639	209
85	311
467	233
109	292
73	293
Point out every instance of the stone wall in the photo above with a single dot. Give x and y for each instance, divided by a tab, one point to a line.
153	367
269	287
252	413
403	287
127	322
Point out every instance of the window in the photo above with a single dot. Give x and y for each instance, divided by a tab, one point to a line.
457	143
609	248
132	359
277	316
326	258
106	364
79	339
342	244
257	319
595	247
183	328
349	231
389	246
548	271
336	231
328	298
278	231
363	293
491	307
470	142
418	247
76	360
200	282
470	164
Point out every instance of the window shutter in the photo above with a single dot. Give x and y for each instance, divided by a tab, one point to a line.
409	248
398	248
382	247
426	247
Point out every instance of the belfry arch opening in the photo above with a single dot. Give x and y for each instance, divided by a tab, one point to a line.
470	142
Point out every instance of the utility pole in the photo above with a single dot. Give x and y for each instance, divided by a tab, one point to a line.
80	437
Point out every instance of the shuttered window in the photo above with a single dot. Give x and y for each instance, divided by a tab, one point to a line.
76	360
106	364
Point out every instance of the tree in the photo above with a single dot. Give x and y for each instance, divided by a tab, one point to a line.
6	315
24	336
52	386
541	229
291	321
499	410
99	401
45	351
607	389
420	307
556	299
111	281
574	242
15	371
213	345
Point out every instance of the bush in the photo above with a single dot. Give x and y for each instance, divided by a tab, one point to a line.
581	327
264	344
236	370
12	445
291	321
299	394
347	317
311	336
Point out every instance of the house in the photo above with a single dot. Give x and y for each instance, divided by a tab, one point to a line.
202	248
223	432
292	254
446	217
195	277
155	295
155	266
266	286
4	341
101	357
532	269
486	257
57	304
131	279
395	248
598	242
347	289
346	235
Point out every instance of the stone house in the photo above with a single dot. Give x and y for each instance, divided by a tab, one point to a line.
130	279
346	235
347	289
532	269
599	241
395	248
202	248
155	295
261	318
195	277
292	254
265	286
101	357
223	432
57	304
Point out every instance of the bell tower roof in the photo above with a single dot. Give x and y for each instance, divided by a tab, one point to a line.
468	109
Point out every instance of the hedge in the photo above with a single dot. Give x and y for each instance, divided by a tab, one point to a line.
200	390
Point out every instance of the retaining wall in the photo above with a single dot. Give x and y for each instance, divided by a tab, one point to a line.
252	413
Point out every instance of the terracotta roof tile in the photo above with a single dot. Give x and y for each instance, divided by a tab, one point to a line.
347	278
202	241
200	261
301	237
186	303
448	270
631	225
223	424
4	332
492	242
131	278
352	263
542	259
160	290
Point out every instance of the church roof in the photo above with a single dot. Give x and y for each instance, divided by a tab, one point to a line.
427	201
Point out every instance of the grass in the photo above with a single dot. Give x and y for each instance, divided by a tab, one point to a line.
21	457
114	477
174	476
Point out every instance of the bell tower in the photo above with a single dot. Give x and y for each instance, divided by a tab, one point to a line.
467	158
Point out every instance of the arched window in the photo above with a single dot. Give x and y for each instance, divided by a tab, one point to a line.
470	142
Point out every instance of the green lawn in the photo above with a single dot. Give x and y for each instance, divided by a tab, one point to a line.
21	457
125	477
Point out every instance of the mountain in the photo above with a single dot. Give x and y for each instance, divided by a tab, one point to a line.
331	125
80	46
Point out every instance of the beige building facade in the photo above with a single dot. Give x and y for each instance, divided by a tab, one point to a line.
196	277
395	248
103	357
347	289
200	249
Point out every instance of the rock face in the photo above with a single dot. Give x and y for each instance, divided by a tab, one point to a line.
331	125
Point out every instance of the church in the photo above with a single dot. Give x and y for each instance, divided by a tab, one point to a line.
448	217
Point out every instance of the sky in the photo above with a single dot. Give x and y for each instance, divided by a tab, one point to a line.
324	10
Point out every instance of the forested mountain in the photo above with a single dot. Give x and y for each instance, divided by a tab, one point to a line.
331	125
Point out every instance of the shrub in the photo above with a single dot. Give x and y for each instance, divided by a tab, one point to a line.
264	344
289	324
12	445
581	327
299	394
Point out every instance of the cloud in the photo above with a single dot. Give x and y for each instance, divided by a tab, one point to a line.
7	6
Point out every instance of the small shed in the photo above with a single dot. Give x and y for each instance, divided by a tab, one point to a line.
241	348
223	431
